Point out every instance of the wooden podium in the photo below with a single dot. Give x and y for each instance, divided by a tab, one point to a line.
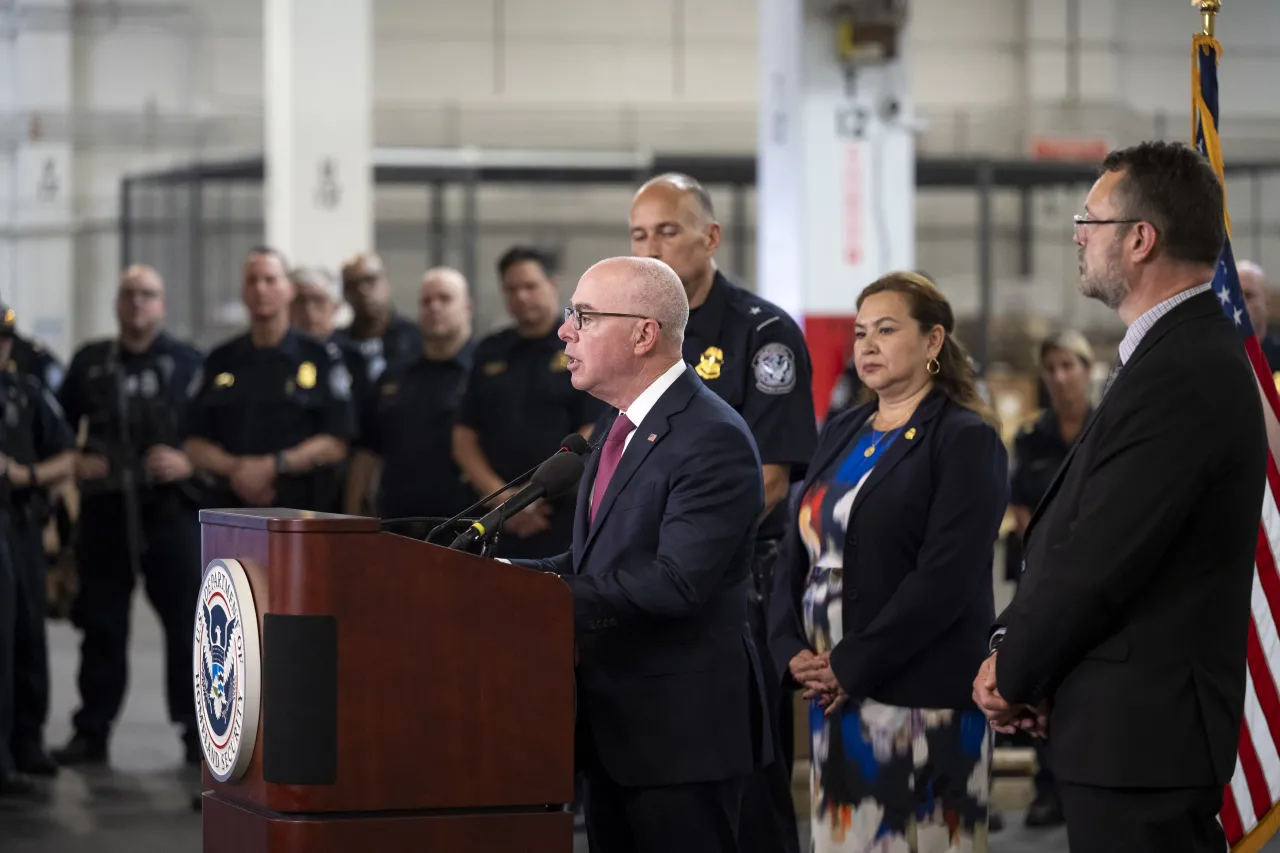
412	698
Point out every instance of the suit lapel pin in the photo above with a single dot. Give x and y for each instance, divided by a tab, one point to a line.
911	433
653	436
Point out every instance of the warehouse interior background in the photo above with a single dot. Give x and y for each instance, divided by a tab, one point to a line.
94	92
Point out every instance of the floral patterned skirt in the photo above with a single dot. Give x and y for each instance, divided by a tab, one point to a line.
899	780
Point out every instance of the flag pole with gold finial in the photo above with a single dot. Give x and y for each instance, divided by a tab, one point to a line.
1209	10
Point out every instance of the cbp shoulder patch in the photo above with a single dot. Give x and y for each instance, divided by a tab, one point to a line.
775	368
197	380
53	375
340	381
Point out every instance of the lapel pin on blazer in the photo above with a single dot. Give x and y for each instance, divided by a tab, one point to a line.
653	436
911	433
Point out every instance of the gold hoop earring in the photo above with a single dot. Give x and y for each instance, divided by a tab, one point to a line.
933	367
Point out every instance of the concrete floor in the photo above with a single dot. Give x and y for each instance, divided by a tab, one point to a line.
140	804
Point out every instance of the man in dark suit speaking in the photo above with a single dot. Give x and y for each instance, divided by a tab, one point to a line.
1129	629
670	715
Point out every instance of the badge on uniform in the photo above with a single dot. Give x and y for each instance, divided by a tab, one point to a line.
709	363
775	369
560	363
224	380
306	375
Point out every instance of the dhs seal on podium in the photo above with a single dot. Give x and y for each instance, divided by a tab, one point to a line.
227	670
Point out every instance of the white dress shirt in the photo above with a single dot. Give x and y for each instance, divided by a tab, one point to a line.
643	404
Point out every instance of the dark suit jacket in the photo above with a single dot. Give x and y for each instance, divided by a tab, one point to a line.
917	559
1133	612
669	690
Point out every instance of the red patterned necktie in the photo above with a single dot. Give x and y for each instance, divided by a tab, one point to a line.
610	455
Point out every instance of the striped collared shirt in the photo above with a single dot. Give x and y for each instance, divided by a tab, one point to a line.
1143	324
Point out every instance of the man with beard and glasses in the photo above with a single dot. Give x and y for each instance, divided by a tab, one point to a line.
1125	643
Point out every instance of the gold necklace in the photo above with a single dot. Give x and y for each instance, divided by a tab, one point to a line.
875	442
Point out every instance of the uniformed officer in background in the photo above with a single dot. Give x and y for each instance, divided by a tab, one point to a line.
753	355
138	510
31	357
37	450
1253	283
409	423
520	403
273	415
313	311
1039	450
12	782
381	335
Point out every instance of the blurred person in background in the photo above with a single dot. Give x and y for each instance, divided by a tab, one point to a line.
382	336
37	450
1039	450
753	356
520	402
313	311
139	510
884	596
273	415
406	447
1257	296
31	357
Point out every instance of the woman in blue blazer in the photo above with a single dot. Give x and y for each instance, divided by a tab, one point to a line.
883	600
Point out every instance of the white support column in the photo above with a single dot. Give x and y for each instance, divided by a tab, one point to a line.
319	127
836	177
42	252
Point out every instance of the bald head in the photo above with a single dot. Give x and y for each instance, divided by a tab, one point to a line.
672	220
444	307
683	187
633	313
649	288
366	289
1253	282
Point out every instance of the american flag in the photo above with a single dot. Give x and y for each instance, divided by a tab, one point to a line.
1249	813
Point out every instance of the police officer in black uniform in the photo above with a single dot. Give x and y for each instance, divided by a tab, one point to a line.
409	423
34	359
753	355
37	450
138	511
315	304
520	403
382	336
273	415
1039	450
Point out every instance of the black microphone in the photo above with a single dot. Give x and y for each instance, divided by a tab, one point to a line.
572	443
553	478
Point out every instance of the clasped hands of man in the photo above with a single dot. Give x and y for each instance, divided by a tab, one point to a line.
1002	716
813	672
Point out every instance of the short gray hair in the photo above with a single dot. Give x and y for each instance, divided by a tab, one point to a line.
659	294
314	276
